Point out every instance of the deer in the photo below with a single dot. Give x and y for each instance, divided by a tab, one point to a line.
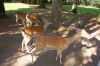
26	39
27	18
47	42
22	16
28	32
34	18
50	42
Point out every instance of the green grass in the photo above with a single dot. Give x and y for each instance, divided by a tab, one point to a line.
3	45
12	7
15	6
89	10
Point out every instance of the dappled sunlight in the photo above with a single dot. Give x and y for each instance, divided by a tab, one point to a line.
88	7
19	59
14	25
72	60
97	37
24	60
87	53
80	57
84	53
9	32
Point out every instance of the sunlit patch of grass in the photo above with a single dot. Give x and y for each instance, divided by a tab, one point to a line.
88	7
15	6
89	10
27	8
3	45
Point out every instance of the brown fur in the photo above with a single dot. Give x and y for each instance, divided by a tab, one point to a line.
22	16
54	42
34	18
35	30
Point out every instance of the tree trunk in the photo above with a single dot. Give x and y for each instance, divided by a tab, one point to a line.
2	8
57	11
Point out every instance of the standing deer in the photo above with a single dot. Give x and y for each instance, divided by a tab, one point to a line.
22	16
34	19
28	18
28	32
58	43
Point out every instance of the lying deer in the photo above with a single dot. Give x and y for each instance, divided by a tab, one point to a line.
28	32
58	43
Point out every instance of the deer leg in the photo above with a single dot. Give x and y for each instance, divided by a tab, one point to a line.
60	56
30	24
24	24
17	21
33	55
27	48
57	55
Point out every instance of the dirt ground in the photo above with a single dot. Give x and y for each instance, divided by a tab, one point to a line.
13	56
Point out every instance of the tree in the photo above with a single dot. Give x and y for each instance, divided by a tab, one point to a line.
2	8
57	11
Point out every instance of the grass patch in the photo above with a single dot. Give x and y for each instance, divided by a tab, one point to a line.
3	45
11	7
14	6
89	10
